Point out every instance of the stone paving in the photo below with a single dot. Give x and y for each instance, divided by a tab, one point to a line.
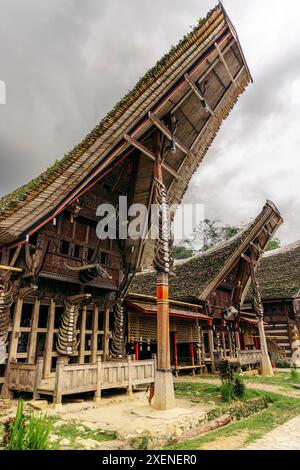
284	437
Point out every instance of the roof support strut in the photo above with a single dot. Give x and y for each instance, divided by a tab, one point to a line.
225	64
163	128
149	154
198	93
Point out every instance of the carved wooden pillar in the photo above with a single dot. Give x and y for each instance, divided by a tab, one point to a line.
164	389
266	367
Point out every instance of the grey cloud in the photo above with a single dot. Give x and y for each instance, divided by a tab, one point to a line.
66	62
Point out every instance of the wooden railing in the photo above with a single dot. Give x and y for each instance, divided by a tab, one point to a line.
79	378
249	357
25	377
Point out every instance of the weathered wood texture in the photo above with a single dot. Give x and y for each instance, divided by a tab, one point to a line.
78	378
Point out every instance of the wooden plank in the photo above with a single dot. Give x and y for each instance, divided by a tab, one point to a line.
199	95
149	154
49	340
94	345
163	128
33	332
225	64
106	334
82	336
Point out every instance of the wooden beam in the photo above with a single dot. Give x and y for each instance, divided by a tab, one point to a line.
202	77
82	335
225	64
149	154
269	234
10	268
94	348
49	340
106	334
257	247
33	332
163	128
247	258
198	93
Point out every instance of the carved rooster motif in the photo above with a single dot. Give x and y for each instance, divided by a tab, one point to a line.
67	337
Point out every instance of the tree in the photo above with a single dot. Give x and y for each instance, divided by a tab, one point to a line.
273	244
181	252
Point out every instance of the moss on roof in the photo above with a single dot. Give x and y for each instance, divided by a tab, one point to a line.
20	194
190	278
279	273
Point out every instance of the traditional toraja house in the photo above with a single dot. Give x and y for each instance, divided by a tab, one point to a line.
206	296
279	279
62	281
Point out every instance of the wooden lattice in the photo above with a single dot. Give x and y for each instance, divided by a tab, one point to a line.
144	326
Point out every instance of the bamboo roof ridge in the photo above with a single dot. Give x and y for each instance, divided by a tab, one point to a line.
194	279
161	90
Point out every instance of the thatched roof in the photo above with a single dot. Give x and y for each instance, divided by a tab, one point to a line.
163	89
279	273
194	279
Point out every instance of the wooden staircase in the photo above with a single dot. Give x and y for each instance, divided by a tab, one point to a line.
278	334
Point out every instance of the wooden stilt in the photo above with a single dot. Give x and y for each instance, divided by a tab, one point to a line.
31	357
95	335
106	333
49	340
5	392
164	389
211	348
82	336
136	351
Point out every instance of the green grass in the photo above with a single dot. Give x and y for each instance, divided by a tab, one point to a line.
70	431
203	393
280	410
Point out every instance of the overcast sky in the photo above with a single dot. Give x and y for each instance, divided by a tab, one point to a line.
66	62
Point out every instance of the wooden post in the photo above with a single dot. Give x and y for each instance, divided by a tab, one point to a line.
211	348
237	337
230	344
49	340
130	377
266	366
33	333
94	347
106	333
97	396
164	389
15	331
59	378
38	376
13	347
136	350
224	344
175	353
82	336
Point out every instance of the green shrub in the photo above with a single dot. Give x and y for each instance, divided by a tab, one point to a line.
225	370
27	432
240	410
239	387
226	391
294	375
